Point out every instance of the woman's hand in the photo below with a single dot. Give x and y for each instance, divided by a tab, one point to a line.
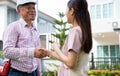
55	46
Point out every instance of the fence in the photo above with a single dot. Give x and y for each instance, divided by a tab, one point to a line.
105	63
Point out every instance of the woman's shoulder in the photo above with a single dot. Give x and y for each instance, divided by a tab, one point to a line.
74	30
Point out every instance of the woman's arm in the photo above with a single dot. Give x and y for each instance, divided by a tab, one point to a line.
69	60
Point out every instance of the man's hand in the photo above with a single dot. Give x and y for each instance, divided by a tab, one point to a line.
40	52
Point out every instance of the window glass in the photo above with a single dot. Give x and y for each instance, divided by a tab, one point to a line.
112	51
92	12
111	10
99	51
105	11
98	11
105	51
118	50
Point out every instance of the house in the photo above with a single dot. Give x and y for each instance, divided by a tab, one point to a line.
43	21
7	15
45	28
105	19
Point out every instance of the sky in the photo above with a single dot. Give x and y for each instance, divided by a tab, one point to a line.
52	7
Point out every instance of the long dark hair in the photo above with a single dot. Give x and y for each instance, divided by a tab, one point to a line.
81	15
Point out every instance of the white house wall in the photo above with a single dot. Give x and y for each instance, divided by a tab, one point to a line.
4	4
102	29
94	2
103	25
3	20
117	9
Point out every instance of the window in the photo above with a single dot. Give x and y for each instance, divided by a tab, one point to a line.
105	51
92	12
42	22
98	11
1	45
43	40
112	50
106	54
105	11
108	51
108	10
118	51
111	9
11	15
102	11
99	51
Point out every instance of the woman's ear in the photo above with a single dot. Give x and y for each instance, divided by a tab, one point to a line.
71	11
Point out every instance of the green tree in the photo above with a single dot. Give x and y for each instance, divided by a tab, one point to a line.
60	26
60	34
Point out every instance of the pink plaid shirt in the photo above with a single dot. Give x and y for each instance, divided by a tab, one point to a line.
19	42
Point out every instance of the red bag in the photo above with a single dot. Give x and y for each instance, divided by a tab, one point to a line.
6	68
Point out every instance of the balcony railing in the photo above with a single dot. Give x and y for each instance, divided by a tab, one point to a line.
106	63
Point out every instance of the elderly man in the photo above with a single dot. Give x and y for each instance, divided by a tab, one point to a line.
21	42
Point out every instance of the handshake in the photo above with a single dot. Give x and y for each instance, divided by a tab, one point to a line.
40	52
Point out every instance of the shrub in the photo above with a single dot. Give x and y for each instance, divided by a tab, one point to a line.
49	73
103	73
1	54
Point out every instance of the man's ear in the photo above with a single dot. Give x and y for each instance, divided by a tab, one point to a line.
18	10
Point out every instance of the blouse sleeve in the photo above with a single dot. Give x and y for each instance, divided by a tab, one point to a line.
74	40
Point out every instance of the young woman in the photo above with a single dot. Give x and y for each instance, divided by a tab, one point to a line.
76	49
